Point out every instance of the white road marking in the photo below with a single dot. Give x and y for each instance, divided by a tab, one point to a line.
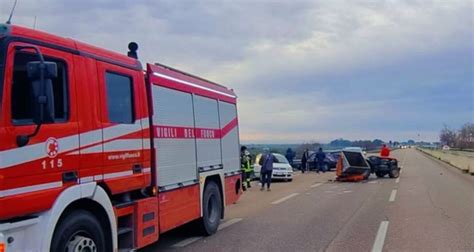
402	164
186	242
393	195
347	191
229	223
404	158
316	185
380	238
284	198
397	180
190	240
372	182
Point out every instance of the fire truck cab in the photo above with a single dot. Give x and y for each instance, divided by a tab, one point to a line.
98	153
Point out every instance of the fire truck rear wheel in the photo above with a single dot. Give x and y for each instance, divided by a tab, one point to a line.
79	231
211	208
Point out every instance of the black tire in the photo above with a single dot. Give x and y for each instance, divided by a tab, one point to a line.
380	174
394	173
83	224
211	208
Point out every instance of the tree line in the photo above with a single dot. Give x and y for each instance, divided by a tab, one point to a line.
462	138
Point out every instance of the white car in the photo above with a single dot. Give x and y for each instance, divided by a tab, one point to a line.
282	169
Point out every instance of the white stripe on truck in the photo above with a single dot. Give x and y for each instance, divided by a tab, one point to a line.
28	189
37	151
58	184
193	85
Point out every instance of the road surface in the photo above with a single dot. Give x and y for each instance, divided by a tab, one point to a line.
431	207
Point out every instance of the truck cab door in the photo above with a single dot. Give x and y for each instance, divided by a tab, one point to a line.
35	174
124	125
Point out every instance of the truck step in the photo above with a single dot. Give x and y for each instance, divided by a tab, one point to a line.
124	230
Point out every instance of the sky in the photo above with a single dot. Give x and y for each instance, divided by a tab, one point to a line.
304	71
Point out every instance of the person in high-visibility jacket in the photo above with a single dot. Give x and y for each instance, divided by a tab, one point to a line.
246	167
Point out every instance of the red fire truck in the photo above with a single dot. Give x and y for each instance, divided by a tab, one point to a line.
98	154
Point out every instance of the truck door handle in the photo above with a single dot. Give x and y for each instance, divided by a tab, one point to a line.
137	168
69	177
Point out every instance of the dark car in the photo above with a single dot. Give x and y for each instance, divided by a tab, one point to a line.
335	155
330	161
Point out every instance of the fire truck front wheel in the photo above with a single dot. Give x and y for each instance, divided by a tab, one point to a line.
79	231
211	208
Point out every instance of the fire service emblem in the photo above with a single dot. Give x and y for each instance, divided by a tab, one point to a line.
52	147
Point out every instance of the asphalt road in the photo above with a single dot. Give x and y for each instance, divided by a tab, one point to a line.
431	207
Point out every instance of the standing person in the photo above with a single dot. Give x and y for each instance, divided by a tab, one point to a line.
290	155
246	167
267	169
320	156
385	151
304	160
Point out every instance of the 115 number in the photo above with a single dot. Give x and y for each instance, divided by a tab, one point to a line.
53	163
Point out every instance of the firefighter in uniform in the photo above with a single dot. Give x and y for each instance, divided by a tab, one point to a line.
246	167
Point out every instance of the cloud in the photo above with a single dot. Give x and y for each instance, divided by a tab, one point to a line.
302	69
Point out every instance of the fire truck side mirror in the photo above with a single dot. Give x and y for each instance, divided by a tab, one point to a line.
34	68
41	75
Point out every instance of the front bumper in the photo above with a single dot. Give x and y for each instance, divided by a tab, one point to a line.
24	235
383	168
